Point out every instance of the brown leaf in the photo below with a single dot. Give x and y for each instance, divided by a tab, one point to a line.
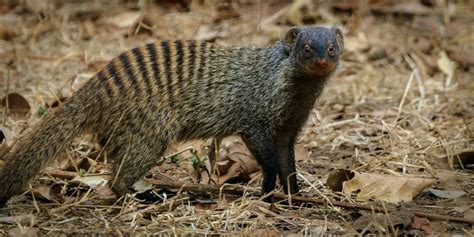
463	160
89	28
226	9
91	181
445	64
378	222
464	56
422	224
57	102
469	214
385	187
206	206
337	177
299	11
22	219
377	52
105	193
408	7
18	106
124	20
48	192
80	80
8	33
423	44
24	232
235	161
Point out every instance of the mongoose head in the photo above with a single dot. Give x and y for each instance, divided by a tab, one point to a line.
315	50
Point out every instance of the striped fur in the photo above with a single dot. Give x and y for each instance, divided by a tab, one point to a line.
169	91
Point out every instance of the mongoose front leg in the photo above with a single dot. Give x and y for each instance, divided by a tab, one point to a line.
287	171
262	148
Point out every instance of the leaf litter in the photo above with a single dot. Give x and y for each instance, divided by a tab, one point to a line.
400	109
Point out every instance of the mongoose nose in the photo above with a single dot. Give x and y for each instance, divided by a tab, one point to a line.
321	63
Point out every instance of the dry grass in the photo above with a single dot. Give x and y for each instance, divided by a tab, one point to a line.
398	115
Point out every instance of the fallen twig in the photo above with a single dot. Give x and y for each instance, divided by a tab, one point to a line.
232	189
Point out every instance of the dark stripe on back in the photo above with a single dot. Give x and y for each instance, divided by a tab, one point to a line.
154	65
192	59
179	66
169	76
142	68
117	80
210	80
104	82
130	75
203	61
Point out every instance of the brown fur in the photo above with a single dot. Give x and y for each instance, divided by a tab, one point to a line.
153	95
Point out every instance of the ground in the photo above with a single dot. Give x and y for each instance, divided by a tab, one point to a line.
397	118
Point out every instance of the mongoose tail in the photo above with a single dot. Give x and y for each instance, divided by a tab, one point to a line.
47	140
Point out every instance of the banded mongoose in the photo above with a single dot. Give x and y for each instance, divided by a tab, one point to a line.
169	91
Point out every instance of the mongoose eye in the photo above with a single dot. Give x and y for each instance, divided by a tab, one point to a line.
307	50
331	50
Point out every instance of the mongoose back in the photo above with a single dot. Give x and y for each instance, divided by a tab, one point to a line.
151	96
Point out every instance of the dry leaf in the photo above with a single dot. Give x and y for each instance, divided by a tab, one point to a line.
377	52
57	103
89	28
422	224
298	11
91	181
469	214
8	33
124	20
226	10
235	161
80	80
409	7
142	185
207	33
401	219
206	206
24	232
22	219
462	160
450	194
445	64
462	209
104	192
18	106
387	188
463	56
48	192
337	177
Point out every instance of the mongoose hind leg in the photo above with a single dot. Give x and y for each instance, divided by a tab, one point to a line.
262	148
132	161
287	169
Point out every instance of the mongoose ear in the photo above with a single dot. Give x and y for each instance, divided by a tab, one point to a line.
339	38
290	39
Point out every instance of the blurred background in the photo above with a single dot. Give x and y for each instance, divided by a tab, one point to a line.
402	102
